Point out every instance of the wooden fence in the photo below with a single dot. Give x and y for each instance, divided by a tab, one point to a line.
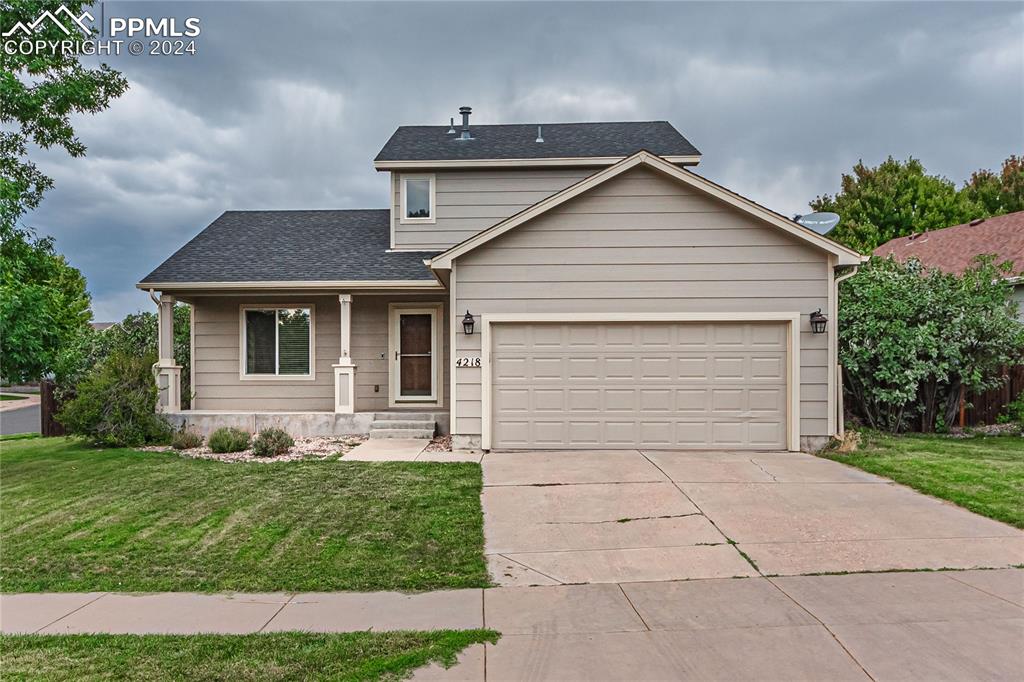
985	407
48	425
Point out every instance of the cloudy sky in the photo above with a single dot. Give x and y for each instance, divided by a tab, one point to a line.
287	103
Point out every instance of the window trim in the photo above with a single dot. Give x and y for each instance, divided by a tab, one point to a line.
402	180
242	331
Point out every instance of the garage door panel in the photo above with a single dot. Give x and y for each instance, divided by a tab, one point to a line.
694	385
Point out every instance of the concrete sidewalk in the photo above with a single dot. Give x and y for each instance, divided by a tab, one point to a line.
403	450
955	625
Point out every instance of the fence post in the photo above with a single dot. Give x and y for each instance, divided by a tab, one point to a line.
48	424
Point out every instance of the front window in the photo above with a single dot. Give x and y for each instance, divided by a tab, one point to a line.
418	198
277	341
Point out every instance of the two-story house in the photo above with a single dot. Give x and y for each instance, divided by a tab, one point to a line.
552	286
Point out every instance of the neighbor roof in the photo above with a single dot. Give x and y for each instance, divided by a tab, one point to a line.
518	141
287	246
952	249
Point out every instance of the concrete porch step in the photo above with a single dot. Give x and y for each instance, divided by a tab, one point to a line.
423	424
403	416
402	433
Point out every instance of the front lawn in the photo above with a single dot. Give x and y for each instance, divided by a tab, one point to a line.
285	656
983	474
74	518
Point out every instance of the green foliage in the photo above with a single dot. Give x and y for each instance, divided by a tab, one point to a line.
1014	412
999	193
229	439
186	439
909	338
115	404
271	442
44	305
39	95
892	200
136	334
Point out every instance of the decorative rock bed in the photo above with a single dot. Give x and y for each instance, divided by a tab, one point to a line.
304	449
439	444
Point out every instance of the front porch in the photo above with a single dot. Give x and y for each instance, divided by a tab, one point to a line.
314	363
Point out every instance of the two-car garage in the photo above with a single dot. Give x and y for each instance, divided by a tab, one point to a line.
679	384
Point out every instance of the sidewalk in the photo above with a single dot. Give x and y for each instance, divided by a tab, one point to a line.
956	625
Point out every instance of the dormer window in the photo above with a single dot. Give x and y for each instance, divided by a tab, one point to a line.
417	199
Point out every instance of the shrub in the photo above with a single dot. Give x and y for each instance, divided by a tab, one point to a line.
271	442
911	337
1014	412
229	439
186	439
115	404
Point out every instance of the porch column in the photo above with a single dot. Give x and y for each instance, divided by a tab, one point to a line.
166	371
344	370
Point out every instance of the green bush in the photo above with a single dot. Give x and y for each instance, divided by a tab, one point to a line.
1014	412
911	337
229	439
271	442
186	439
115	404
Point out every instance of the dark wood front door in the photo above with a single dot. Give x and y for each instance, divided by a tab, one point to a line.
415	355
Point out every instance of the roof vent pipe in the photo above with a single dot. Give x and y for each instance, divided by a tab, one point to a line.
451	126
465	111
540	135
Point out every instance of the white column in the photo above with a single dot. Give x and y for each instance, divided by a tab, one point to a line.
344	370
166	372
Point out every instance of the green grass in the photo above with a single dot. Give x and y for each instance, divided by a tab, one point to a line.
983	474
74	518
286	656
5	396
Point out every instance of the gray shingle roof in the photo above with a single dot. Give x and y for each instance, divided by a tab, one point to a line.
263	246
518	141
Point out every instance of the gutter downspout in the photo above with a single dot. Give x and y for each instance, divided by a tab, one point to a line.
840	410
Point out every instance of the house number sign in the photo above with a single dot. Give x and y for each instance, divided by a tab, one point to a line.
467	362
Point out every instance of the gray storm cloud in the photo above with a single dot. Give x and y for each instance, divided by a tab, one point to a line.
287	103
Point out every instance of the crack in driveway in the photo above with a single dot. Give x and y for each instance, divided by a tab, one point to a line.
623	520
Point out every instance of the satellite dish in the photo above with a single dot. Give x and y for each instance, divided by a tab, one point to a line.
819	222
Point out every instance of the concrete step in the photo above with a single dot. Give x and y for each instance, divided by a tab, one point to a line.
403	416
402	433
421	425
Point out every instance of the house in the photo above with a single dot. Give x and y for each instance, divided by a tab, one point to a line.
953	249
551	286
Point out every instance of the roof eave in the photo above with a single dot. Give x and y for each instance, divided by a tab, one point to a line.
568	161
297	285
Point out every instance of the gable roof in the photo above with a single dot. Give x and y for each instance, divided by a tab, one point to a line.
844	255
253	247
580	143
952	249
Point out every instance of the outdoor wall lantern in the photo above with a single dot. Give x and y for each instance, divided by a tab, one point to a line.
818	322
467	323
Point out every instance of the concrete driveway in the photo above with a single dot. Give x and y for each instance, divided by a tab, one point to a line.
627	516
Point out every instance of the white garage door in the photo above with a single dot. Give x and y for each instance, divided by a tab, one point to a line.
639	385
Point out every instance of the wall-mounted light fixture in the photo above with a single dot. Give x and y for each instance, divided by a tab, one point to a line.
818	322
468	323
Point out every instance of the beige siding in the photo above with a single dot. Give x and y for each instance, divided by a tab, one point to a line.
218	386
644	243
471	201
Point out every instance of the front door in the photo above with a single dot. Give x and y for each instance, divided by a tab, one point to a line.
415	354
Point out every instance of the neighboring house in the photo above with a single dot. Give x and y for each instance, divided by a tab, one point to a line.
953	249
101	326
548	287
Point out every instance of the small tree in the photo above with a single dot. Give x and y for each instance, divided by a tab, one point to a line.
910	337
999	193
115	404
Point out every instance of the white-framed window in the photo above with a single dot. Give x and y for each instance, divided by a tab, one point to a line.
277	341
418	205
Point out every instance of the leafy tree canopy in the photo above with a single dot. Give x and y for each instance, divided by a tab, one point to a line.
894	199
44	305
910	337
38	95
1001	192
